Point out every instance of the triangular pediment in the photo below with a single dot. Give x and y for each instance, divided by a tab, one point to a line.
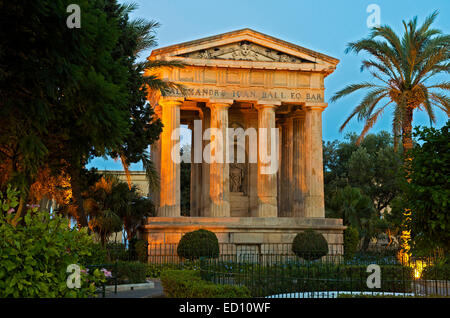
244	45
245	51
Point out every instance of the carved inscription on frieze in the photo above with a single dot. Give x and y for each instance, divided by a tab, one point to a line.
250	94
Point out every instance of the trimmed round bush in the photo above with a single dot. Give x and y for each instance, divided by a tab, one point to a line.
351	240
199	243
310	245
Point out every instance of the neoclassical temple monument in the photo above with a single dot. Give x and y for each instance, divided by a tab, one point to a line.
244	79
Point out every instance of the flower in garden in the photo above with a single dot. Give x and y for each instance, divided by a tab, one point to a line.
106	272
11	211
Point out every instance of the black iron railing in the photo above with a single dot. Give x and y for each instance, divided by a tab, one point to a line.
273	270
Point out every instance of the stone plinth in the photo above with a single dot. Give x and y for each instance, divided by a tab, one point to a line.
242	231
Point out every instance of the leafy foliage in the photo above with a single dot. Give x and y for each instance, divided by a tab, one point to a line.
199	243
363	184
351	241
112	206
310	245
131	272
35	255
141	250
71	94
188	284
427	192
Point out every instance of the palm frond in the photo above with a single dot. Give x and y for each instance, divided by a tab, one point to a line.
370	122
444	86
441	100
155	64
152	174
352	88
428	106
366	106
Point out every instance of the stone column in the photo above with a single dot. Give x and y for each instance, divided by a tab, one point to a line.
298	169
279	125
267	183
219	183
314	201
169	201
286	168
155	154
193	183
196	170
205	203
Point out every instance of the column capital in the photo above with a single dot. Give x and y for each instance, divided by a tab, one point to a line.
315	106
267	104
170	101
214	103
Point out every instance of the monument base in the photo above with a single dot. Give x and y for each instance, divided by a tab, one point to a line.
234	233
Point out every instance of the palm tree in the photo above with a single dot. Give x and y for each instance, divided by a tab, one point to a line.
143	33
405	69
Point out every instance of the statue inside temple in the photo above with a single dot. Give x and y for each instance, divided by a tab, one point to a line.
236	176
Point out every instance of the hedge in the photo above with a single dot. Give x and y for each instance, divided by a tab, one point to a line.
310	245
289	278
196	244
131	272
188	284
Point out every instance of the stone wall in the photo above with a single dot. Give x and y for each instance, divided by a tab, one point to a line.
267	235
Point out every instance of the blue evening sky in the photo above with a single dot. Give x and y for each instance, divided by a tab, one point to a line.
325	26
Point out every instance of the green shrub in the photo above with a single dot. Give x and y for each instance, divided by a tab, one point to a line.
117	252
35	255
188	284
97	255
316	277
141	250
436	272
155	270
196	244
310	245
351	240
131	272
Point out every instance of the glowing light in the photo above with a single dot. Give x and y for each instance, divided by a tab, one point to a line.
404	256
419	266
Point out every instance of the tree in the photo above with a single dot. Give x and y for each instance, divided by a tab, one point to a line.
404	68
70	94
111	206
373	167
427	194
355	209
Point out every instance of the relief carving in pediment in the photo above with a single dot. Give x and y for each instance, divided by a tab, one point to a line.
245	51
